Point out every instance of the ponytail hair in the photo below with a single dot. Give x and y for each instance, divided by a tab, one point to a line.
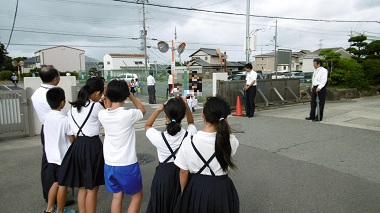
216	111
175	109
94	84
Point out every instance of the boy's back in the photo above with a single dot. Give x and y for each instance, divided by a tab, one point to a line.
56	132
120	137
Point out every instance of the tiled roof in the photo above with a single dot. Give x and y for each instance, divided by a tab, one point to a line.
211	52
122	55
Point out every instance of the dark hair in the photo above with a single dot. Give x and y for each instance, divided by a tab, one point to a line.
175	109
55	96
318	61
150	72
216	111
92	85
117	90
48	73
249	66
169	72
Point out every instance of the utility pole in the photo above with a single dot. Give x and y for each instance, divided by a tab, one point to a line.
144	37
247	50
275	50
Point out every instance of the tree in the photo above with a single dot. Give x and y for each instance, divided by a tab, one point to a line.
331	58
374	49
349	73
3	55
372	70
358	47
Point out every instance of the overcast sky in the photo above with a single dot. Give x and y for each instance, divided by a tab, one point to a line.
105	26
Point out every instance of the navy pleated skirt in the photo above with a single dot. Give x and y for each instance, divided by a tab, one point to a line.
83	164
165	189
209	194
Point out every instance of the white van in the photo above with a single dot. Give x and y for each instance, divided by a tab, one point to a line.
129	76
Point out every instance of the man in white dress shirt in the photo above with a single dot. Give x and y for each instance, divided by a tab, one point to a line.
151	88
319	81
250	91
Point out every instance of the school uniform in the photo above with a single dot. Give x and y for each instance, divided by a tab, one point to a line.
166	187
42	108
151	82
83	164
209	189
57	132
250	93
122	171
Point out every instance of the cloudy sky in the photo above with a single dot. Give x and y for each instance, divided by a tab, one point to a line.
106	26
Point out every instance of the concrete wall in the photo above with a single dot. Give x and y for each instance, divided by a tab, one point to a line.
63	58
117	63
31	84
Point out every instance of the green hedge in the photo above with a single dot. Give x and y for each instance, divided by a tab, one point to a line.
5	75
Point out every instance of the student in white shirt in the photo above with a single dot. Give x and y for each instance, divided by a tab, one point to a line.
121	170
208	156
169	91
318	90
59	136
83	165
151	88
165	187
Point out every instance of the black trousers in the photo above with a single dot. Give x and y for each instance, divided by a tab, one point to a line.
152	94
169	90
46	179
250	96
313	102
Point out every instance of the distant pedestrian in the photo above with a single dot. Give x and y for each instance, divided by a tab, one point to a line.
318	90
250	91
121	169
169	91
165	187
14	79
132	86
207	156
137	86
151	82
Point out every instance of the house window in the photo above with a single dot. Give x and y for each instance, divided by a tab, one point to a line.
262	68
108	62
206	58
284	67
37	59
262	58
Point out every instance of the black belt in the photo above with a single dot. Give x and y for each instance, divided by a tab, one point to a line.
150	85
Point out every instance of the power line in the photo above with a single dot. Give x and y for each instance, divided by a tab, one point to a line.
94	46
242	14
14	21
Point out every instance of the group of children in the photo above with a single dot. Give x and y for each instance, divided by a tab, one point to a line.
192	175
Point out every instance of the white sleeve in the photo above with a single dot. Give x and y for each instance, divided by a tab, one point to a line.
234	144
191	129
153	135
136	115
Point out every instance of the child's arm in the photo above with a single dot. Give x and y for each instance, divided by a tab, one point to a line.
189	115
137	104
183	177
152	118
71	138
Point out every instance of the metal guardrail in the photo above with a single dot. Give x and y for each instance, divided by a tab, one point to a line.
14	117
269	91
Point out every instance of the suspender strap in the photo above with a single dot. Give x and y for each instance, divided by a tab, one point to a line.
206	163
85	120
170	149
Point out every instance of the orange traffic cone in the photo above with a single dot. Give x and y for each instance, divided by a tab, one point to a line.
239	111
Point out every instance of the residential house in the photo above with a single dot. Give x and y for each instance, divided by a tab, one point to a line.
29	64
265	62
211	62
308	58
120	61
62	57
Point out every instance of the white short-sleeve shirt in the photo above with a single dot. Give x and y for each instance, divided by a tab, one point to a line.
56	133
251	76
150	80
187	158
40	103
92	126
120	135
163	151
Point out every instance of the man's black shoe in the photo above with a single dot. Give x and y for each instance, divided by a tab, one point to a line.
308	118
250	116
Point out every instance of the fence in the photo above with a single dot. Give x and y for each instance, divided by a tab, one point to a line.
14	117
269	91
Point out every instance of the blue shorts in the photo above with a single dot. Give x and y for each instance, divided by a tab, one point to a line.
123	178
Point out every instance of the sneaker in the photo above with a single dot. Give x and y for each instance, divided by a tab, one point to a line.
69	211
